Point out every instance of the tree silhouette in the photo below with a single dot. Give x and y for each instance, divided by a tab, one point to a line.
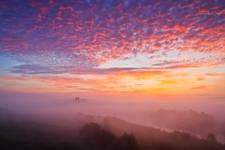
96	138
211	138
127	142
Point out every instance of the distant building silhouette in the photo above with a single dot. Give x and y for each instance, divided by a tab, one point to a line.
78	99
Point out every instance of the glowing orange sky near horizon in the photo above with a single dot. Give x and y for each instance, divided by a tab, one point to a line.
132	47
176	81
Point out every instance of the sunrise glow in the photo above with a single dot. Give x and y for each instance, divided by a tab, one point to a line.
112	74
85	46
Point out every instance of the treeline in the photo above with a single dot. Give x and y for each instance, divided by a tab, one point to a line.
92	136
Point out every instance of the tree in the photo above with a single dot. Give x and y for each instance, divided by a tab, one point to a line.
211	138
94	137
127	142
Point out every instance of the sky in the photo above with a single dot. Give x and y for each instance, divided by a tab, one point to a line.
142	47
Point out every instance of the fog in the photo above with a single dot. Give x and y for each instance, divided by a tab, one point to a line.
197	115
109	105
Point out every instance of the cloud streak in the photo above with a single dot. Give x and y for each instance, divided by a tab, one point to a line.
129	43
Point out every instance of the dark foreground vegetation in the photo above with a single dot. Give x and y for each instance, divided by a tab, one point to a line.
92	136
88	132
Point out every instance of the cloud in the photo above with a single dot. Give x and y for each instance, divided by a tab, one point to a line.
200	79
168	81
199	87
156	68
39	69
97	34
216	74
76	38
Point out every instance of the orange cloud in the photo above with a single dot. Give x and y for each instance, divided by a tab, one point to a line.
168	81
